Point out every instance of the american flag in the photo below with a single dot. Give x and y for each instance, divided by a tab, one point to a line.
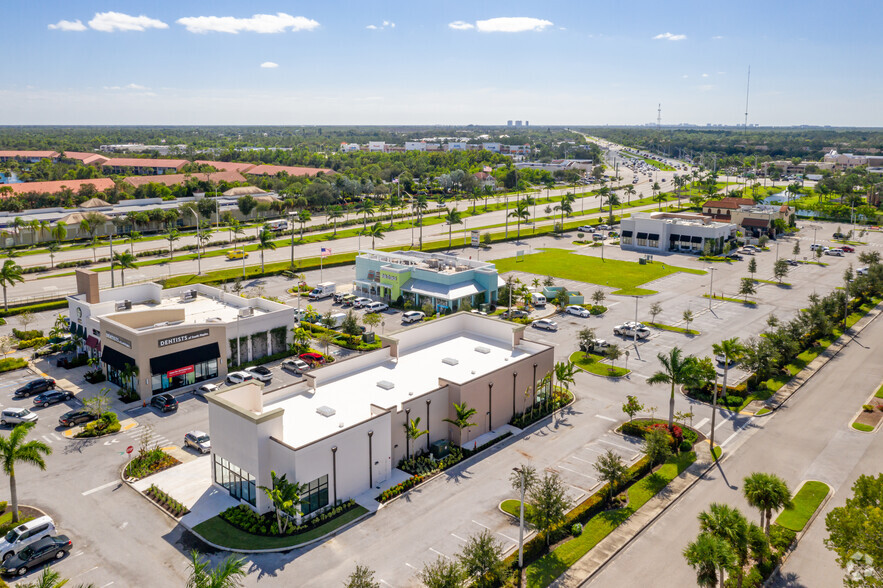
326	252
395	181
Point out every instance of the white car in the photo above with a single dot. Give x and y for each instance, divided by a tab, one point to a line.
603	227
721	360
17	416
834	252
239	377
627	326
260	373
361	301
546	324
862	271
205	389
586	229
296	365
376	307
578	311
199	441
413	316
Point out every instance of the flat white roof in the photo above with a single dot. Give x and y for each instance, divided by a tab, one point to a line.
413	374
199	310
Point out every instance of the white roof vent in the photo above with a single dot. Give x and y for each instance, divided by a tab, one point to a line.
483	349
386	385
326	411
450	361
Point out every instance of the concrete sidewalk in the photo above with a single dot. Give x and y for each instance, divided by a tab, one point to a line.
616	541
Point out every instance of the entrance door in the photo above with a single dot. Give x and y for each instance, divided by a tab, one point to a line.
381	469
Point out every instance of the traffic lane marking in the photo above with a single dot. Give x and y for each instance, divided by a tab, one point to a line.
102	487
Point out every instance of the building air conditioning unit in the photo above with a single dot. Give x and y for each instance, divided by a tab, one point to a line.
188	295
124	305
248	311
483	349
326	411
450	361
386	384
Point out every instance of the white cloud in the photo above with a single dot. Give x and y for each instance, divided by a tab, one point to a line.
135	87
269	65
386	25
259	23
68	25
704	75
670	37
372	27
685	76
511	24
109	22
717	37
459	25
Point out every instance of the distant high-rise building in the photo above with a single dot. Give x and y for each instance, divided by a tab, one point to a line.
517	123
527	123
508	123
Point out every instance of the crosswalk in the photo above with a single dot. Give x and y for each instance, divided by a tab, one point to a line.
52	438
141	433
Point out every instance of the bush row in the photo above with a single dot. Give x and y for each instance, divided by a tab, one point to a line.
541	410
168	503
150	461
640	427
53	305
24	335
67	264
34	269
7	364
245	519
106	424
426	464
35	342
387	495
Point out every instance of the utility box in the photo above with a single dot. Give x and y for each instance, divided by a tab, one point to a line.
440	449
368	337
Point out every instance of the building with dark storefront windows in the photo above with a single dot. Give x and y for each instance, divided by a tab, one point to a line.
154	340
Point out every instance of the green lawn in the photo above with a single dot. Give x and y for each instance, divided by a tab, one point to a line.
716	452
545	570
513	507
737	300
862	427
673	329
805	502
658	164
763	411
561	263
220	532
593	365
774	283
879	393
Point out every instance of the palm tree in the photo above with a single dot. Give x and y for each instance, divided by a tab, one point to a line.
52	248
228	574
14	449
767	493
133	237
413	432
630	191
265	241
613	200
10	273
375	231
51	579
564	372
366	208
461	421
303	217
709	555
286	498
420	205
676	370
727	523
521	212
657	195
124	260
565	206
731	350
59	232
235	228
452	218
334	213
172	235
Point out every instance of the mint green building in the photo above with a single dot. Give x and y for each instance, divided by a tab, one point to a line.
442	280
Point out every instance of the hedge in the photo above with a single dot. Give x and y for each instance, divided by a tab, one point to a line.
25	335
7	364
39	307
35	342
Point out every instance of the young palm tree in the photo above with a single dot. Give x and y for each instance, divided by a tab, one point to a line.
14	449
709	555
727	523
464	413
375	231
303	217
228	574
521	213
265	241
124	260
767	493
413	432
564	372
133	237
334	213
452	218
420	206
10	273
366	208
676	370
630	191
613	201
731	350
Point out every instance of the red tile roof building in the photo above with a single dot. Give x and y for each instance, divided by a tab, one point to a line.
100	184
28	155
178	179
272	170
226	165
144	166
85	158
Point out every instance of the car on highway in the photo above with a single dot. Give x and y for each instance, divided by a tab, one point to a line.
376	307
239	377
545	324
164	402
41	552
577	311
199	441
413	316
237	254
76	417
361	301
261	373
51	397
25	534
313	359
35	387
17	416
298	366
205	389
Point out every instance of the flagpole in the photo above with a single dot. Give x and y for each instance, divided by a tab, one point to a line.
321	259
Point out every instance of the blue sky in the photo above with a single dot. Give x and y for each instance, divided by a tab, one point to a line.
440	62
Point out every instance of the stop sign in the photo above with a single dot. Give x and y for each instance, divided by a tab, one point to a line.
130	449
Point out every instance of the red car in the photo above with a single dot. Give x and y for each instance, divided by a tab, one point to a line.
847	248
312	358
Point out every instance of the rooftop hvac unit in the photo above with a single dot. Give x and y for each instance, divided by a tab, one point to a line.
386	385
450	361
248	311
326	411
482	349
124	305
188	295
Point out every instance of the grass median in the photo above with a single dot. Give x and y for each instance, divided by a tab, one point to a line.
592	363
674	329
806	501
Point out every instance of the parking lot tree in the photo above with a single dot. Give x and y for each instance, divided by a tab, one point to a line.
762	241
612	470
855	532
819	254
780	269
655	310
796	250
550	503
25	319
869	257
586	337
767	493
632	406
14	449
482	560
286	498
325	339
361	577
530	478
613	352
746	288
709	556
300	340
100	402
598	296
752	267
265	241
688	318
327	320
657	445
350	324
428	309
371	320
550	281
727	523
10	274
731	350
463	413
677	370
442	573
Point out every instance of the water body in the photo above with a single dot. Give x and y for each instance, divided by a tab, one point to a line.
11	178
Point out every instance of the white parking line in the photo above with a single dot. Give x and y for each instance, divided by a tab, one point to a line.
458	537
382	581
410	566
102	487
606	418
626	447
700	423
56	437
86	572
109	583
580	459
480	525
48	440
507	537
575	472
439	553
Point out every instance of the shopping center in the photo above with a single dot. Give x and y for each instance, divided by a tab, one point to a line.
154	340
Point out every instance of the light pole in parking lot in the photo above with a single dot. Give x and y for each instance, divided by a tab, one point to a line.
635	333
710	287
520	472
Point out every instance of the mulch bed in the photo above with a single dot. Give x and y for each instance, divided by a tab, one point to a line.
871	418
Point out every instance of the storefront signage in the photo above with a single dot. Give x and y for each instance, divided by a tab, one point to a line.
476	238
180	371
118	339
183	338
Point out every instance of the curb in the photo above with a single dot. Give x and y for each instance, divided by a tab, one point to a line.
73	431
871	432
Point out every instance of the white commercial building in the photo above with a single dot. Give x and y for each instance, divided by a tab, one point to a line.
664	231
415	145
341	429
376	146
456	146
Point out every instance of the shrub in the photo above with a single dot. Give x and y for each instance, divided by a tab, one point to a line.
867	408
576	530
3	505
684	446
781	538
244	518
127	395
106	424
148	462
35	342
597	309
12	363
25	335
54	305
733	400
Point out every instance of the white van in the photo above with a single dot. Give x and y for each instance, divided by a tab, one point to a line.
25	534
537	299
278	225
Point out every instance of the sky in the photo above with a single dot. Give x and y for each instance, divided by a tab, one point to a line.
332	62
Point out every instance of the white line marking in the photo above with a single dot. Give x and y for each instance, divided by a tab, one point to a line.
736	432
439	553
480	525
507	537
590	448
48	440
606	418
86	572
77	554
102	487
109	583
56	437
724	419
617	445
458	537
382	581
580	459
575	472
700	423
410	566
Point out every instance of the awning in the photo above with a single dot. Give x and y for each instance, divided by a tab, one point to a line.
626	233
642	235
93	342
696	239
81	331
685	238
653	237
115	359
73	328
443	291
172	361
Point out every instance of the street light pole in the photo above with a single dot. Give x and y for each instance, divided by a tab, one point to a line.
711	287
521	521
635	333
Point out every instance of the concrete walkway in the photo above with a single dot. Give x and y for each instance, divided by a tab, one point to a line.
616	541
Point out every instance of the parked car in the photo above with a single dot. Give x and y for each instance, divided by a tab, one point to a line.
815	246
51	397
205	389
239	377
164	402
604	227
237	254
76	417
836	252
586	229
792	262
862	271
261	373
720	359
595	345
376	307
753	248
546	324
839	235
735	256
515	313
597	236
361	301
199	441
313	359
627	326
35	387
347	300
578	311
847	248
298	366
16	416
413	316
37	553
25	534
746	251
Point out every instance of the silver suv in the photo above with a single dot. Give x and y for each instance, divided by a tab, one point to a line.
16	416
25	534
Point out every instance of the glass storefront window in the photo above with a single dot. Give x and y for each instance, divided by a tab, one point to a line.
239	483
184	376
316	495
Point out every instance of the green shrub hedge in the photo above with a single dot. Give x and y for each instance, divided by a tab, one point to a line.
53	305
245	519
106	424
7	364
35	342
25	335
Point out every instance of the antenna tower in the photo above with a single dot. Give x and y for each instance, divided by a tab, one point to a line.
747	89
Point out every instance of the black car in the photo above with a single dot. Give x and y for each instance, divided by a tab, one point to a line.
51	397
735	256
164	402
36	386
35	554
75	417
